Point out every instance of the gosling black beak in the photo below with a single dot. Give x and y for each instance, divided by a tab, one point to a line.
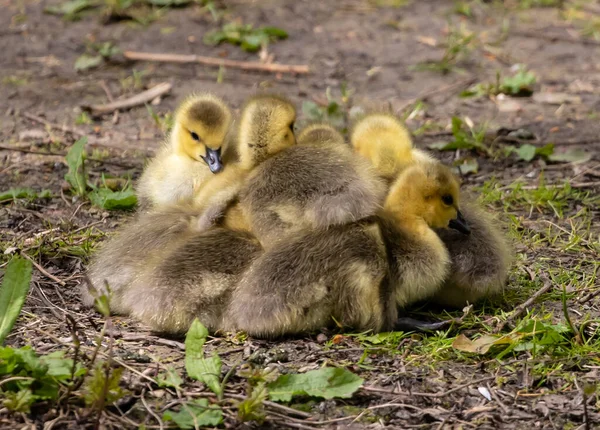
213	159
460	224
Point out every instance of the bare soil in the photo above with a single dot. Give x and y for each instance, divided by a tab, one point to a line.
373	50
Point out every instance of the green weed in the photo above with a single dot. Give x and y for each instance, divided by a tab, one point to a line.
519	84
102	196
335	112
459	43
466	136
250	39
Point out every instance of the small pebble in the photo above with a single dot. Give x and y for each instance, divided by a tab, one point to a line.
322	338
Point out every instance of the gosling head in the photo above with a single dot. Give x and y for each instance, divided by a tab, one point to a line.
201	125
383	140
429	191
320	133
266	127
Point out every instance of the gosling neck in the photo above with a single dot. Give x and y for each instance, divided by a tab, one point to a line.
409	222
175	138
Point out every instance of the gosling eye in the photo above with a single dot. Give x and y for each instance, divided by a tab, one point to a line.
292	126
447	199
195	136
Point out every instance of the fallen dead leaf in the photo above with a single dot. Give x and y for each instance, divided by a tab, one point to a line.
429	41
481	345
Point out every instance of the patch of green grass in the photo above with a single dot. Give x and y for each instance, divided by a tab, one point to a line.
14	194
164	122
544	198
459	44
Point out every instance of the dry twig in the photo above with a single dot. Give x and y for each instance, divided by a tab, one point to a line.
522	307
211	61
44	271
138	99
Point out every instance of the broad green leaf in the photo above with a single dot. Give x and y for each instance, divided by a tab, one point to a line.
196	414
519	84
571	156
30	362
23	193
275	32
197	367
169	379
327	383
451	146
59	367
253	42
206	370
108	49
85	62
113	200
249	38
546	150
19	401
70	9
13	292
76	176
526	152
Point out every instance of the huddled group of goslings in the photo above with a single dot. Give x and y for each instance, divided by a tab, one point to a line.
248	225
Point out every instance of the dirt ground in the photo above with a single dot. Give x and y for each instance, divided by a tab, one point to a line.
415	381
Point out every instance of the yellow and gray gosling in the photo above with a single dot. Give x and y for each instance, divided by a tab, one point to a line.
191	155
314	185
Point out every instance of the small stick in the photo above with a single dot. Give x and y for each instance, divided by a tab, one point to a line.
211	61
43	271
138	99
521	308
144	338
588	297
